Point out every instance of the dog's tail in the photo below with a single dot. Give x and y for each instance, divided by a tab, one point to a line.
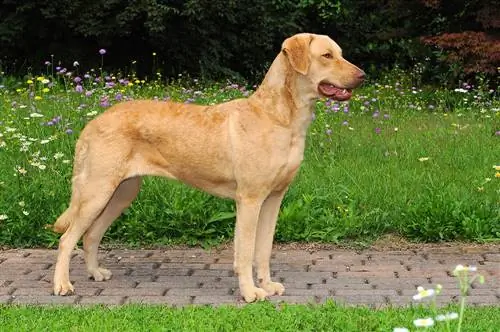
62	223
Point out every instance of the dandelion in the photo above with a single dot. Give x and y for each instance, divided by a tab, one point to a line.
423	322
423	293
422	159
3	217
447	316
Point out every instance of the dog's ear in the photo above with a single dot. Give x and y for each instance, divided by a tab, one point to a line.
296	49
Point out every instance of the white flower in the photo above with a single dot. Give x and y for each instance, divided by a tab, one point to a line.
25	212
66	161
423	293
45	81
423	322
92	113
21	170
75	64
447	316
36	115
42	167
461	90
22	204
58	155
422	159
400	329
461	268
3	217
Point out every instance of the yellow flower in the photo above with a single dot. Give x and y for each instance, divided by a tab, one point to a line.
18	90
29	81
38	98
137	81
497	167
422	159
497	174
130	84
40	78
45	90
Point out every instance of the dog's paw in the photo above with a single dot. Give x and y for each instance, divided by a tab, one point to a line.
252	294
63	288
100	274
273	288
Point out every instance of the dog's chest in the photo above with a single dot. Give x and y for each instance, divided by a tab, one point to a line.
291	164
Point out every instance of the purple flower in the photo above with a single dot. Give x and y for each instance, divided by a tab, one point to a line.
62	71
119	96
88	93
109	85
328	132
104	101
102	51
376	114
77	79
346	109
345	123
50	123
497	133
86	76
69	131
79	88
377	130
58	68
366	103
386	116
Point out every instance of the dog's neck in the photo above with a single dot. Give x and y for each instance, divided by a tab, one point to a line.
283	96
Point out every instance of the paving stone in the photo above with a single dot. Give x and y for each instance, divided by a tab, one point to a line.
4	299
218	299
199	291
43	299
297	299
103	299
134	291
6	290
171	300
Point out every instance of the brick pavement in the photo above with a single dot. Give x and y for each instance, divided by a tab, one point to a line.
193	276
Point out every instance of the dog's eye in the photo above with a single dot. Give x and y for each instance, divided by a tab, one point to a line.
328	55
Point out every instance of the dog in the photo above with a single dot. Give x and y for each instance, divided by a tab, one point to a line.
247	149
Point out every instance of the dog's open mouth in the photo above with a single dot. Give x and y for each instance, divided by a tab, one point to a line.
331	91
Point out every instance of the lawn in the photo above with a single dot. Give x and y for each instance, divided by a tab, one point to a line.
420	162
254	317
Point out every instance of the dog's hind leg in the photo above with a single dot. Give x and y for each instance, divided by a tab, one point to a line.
122	197
92	200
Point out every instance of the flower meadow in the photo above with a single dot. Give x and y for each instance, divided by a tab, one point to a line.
420	162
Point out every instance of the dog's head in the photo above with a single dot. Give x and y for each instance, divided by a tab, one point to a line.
319	59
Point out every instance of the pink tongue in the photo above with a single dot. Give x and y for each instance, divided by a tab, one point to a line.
334	92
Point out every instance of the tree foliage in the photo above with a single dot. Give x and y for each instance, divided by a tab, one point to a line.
217	38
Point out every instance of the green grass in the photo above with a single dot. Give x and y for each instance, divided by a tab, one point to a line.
255	317
359	179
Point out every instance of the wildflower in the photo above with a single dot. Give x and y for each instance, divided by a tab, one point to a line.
69	131
79	88
36	115
461	268
396	129
377	130
42	167
496	167
460	90
423	293
22	204
423	322
345	123
88	93
497	133
447	316
44	141
21	170
25	212
422	159
38	98
154	53
58	155
104	101
328	132
45	90
376	114
400	329
47	63
497	175
3	217
40	78
77	79
29	81
75	64
102	51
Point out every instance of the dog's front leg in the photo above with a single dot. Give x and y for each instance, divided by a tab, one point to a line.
264	242
247	218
